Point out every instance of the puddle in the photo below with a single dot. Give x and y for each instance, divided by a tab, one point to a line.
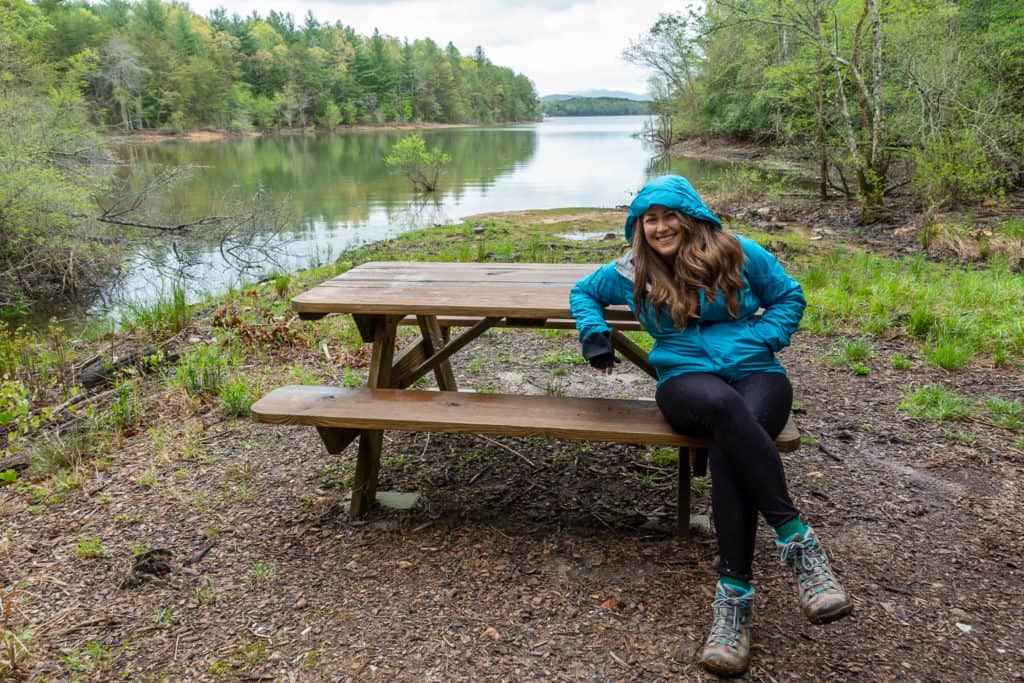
587	236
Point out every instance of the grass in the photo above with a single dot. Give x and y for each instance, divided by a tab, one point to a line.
935	402
956	313
91	548
1009	414
167	316
201	371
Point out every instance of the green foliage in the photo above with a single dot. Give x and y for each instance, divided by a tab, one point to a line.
409	156
91	548
125	410
237	395
900	362
557	105
166	316
1009	414
50	247
935	402
956	167
201	371
950	104
955	313
160	66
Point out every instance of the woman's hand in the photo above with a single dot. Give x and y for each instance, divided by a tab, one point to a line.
598	350
605	362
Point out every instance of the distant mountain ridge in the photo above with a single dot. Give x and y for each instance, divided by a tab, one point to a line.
569	105
617	94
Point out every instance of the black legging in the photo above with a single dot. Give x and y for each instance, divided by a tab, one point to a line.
742	418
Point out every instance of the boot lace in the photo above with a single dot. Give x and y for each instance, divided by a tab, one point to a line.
808	560
731	613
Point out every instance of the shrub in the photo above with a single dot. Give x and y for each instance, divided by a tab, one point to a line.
954	167
409	156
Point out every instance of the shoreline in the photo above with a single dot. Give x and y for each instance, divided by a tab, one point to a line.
149	135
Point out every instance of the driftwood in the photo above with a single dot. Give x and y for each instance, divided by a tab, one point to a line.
17	462
106	371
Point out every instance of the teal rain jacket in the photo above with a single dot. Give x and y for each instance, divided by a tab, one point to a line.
715	342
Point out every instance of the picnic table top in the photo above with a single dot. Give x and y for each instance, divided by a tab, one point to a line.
513	290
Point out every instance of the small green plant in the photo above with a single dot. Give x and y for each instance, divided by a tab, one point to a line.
147	480
206	594
961	436
860	369
263	572
935	402
349	379
467	458
900	362
165	317
237	396
124	407
852	351
162	617
665	456
281	284
91	548
477	364
139	547
201	371
1009	414
949	354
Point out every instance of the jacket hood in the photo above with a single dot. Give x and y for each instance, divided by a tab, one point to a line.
673	192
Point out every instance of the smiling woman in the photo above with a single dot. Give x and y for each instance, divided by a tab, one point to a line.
718	307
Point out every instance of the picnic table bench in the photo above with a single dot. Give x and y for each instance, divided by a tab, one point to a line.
440	297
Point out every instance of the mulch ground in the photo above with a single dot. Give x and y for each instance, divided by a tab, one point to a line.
528	560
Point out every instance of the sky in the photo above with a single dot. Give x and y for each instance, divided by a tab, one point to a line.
560	45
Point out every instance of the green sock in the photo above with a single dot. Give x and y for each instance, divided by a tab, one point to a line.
790	528
738	584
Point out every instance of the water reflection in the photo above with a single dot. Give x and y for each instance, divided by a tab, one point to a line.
340	194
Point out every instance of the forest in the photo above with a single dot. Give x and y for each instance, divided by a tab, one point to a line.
151	64
557	105
918	94
71	72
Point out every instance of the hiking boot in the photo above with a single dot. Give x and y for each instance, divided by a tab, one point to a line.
822	598
727	650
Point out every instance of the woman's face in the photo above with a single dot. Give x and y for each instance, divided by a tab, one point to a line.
663	231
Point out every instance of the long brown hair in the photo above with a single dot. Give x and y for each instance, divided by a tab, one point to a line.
708	259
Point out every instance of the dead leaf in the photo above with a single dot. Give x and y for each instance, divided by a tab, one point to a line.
492	633
610	603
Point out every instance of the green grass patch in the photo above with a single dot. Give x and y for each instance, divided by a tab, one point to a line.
955	313
201	371
935	402
167	316
1009	414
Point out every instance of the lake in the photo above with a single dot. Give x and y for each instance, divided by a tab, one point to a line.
337	192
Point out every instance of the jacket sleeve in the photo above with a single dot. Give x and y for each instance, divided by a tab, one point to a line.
588	298
781	296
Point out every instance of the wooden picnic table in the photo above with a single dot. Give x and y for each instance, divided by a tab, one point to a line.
472	298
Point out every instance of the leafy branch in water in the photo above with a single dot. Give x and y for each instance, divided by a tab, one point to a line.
409	156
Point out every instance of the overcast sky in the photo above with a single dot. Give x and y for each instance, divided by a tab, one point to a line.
560	45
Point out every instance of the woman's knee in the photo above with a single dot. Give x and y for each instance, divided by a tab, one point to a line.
701	398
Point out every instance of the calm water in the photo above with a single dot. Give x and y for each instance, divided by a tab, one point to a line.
339	194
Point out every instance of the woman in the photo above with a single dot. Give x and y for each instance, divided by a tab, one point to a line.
698	290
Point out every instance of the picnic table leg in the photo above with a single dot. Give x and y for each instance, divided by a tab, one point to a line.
683	497
435	340
364	488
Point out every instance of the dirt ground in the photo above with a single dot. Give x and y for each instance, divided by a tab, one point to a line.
530	560
527	559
